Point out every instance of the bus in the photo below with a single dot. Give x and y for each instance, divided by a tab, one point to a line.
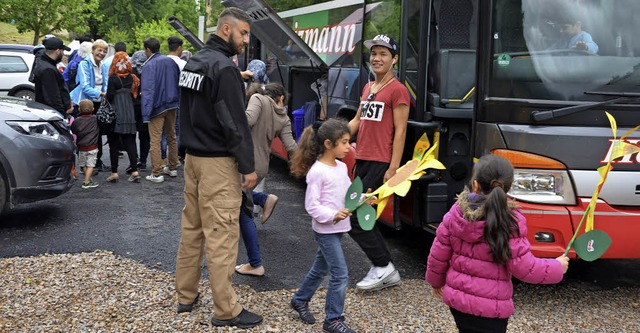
485	76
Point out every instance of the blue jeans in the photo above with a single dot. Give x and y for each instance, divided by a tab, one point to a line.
250	233
250	239
329	259
259	198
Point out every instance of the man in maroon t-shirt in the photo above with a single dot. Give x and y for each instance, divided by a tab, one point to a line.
381	125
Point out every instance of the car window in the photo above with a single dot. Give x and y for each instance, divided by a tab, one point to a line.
12	64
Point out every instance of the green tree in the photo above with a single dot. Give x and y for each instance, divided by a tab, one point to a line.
126	20
158	29
47	16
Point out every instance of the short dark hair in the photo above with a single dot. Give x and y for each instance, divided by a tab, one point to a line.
236	13
174	42
85	39
152	44
120	47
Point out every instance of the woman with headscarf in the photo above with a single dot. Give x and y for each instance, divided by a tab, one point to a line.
122	88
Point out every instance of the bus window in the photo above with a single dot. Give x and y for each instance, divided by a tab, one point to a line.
540	50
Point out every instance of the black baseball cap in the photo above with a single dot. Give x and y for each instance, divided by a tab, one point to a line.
383	40
55	43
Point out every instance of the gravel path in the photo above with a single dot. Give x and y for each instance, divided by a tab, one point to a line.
101	292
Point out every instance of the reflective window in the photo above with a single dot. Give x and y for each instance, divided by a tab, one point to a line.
549	49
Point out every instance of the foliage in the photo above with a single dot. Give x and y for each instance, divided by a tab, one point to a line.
43	17
115	35
134	21
158	29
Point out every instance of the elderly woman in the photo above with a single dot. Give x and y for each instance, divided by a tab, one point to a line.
122	89
92	85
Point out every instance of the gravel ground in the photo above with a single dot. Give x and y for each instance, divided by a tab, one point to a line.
101	292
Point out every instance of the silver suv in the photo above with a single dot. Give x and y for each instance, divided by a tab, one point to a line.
15	67
36	152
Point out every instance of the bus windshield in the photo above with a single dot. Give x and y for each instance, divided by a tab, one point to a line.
557	50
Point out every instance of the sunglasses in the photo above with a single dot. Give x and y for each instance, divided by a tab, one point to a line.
365	106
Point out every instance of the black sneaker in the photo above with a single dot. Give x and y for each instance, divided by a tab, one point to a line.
188	307
303	310
245	319
142	166
336	326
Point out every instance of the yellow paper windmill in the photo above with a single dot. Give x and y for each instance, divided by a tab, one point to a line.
399	184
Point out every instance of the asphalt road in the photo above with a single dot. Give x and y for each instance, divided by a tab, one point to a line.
142	222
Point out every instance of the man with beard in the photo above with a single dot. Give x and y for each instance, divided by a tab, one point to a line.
219	163
49	83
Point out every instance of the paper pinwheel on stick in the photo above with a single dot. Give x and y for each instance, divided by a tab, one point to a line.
399	184
594	243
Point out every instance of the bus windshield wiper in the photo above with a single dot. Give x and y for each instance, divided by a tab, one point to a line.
552	114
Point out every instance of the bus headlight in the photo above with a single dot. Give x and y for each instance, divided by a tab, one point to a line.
543	187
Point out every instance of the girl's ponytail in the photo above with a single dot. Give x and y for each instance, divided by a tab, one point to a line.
306	153
494	176
312	144
500	224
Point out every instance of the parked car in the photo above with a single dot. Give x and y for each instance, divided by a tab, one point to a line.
36	152
15	67
17	48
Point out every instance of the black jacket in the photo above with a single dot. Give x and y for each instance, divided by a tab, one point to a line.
50	87
212	106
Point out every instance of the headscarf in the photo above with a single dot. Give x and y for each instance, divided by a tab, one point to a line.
121	66
137	60
259	70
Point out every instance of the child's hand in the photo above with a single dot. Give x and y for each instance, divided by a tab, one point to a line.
341	215
437	292
564	260
371	200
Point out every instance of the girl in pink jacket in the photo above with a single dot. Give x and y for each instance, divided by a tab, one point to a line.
480	244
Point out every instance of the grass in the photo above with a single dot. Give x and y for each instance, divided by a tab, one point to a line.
10	35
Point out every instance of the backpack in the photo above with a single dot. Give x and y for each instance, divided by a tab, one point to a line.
72	77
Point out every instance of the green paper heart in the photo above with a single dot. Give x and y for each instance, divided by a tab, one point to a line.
366	217
352	198
592	245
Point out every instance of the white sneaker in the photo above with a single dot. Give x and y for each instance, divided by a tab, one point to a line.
155	179
380	278
172	173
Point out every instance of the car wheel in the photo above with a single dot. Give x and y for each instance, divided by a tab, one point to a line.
3	194
25	94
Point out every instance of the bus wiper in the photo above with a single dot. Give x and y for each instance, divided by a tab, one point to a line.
552	114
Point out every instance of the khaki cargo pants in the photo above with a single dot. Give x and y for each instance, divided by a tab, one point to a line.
212	199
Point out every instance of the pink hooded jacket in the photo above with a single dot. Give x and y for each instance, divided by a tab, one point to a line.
461	261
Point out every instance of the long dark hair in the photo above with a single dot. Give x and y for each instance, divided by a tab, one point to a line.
311	144
494	175
274	90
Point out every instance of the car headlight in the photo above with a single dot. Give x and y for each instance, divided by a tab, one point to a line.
539	179
42	130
